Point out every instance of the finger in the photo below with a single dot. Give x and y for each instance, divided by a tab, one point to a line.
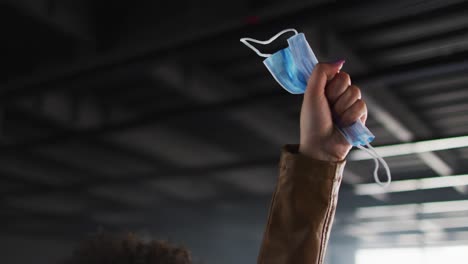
357	111
322	73
347	99
337	86
364	118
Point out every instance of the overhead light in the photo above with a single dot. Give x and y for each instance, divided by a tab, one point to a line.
386	211
401	225
413	185
413	148
368	228
444	207
404	210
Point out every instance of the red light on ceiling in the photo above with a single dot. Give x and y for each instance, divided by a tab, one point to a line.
252	20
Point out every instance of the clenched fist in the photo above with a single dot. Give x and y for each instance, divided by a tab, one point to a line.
329	91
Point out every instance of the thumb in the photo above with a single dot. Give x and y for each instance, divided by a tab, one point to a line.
322	73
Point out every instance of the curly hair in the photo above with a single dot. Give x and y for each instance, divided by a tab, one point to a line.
112	249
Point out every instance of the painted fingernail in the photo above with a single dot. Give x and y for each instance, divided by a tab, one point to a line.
339	63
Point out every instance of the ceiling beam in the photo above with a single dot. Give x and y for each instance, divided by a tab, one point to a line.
425	22
205	87
190	173
390	75
192	40
54	127
79	175
65	17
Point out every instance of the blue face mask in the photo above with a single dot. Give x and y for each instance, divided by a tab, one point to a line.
291	67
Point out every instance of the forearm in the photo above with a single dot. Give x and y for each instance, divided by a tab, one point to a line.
302	210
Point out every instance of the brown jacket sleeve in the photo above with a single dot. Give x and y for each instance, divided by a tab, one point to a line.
302	210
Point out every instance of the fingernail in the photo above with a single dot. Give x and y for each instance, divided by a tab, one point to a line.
339	63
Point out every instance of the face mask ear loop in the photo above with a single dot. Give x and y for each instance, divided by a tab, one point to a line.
376	164
376	157
384	163
265	42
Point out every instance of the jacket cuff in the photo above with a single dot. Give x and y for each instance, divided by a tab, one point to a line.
300	164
